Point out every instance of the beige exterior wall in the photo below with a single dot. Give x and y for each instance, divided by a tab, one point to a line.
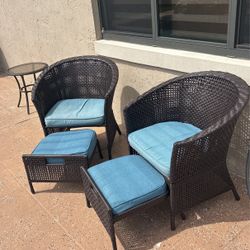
135	79
45	30
50	30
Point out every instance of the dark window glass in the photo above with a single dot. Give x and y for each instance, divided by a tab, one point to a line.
244	21
127	16
205	20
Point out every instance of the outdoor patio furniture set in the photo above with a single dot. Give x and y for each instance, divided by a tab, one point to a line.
178	135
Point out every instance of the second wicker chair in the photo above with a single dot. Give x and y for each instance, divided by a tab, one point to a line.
183	128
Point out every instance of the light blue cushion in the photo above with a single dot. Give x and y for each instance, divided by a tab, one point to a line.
76	142
76	113
128	181
155	143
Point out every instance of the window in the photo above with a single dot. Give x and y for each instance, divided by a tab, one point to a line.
211	26
127	16
244	24
198	20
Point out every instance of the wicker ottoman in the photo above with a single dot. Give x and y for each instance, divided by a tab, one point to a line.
122	186
59	156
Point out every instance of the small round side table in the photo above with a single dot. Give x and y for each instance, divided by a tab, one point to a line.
21	71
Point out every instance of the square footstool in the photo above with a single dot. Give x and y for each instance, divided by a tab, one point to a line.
122	186
59	156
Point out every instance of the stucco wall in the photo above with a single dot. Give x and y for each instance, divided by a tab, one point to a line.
135	79
45	30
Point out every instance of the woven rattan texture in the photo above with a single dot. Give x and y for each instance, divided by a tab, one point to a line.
240	143
38	170
78	77
100	206
211	101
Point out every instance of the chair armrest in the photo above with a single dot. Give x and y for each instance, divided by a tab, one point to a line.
114	79
204	152
46	92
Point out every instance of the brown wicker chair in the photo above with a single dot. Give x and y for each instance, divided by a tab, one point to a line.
78	78
211	101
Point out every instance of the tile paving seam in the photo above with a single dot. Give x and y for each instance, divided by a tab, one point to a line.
25	120
17	123
47	212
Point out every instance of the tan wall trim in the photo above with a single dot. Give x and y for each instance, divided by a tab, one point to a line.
172	59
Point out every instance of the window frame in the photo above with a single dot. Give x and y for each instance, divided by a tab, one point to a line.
229	49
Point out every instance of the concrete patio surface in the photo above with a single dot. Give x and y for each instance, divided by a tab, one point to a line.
56	217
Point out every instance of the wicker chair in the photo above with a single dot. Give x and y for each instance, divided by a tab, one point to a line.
78	78
211	101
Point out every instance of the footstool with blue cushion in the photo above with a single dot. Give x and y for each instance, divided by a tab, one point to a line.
119	187
59	156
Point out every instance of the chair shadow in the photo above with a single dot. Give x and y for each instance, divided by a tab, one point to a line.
64	187
3	64
128	94
146	229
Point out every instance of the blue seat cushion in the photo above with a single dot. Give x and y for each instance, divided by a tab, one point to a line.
128	181
76	142
155	143
76	113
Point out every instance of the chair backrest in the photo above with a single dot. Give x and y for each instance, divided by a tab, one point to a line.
81	77
206	97
76	77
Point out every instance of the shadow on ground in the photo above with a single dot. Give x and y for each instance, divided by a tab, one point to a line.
3	64
128	94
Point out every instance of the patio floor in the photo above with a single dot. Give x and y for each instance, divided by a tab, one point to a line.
56	217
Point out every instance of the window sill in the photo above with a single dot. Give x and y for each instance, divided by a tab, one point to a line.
172	59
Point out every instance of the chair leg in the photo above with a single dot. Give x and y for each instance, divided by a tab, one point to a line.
113	240
31	188
183	216
99	149
111	129
118	129
172	221
110	135
88	203
235	193
230	182
172	211
109	152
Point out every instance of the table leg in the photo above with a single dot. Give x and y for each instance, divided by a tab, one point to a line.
20	92
248	173
26	95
